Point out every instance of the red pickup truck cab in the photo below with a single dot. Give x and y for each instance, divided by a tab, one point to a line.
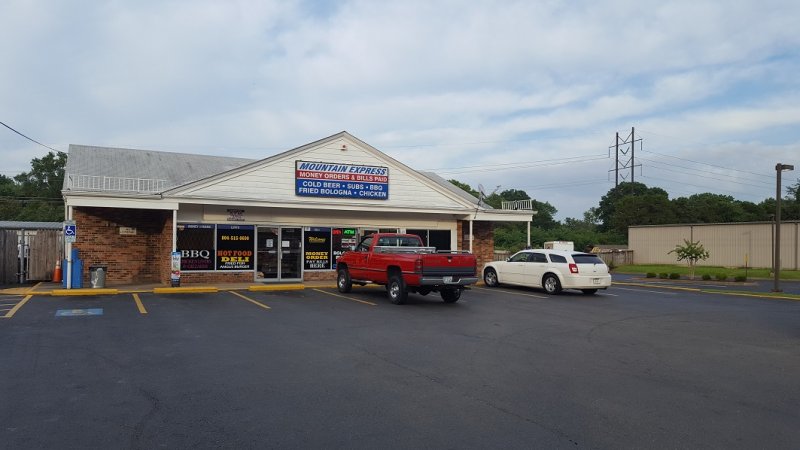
402	264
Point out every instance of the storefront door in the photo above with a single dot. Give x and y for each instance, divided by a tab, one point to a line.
279	254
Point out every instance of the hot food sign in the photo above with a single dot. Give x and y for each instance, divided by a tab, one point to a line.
322	179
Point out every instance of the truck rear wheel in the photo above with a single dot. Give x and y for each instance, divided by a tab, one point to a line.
343	281
397	289
451	295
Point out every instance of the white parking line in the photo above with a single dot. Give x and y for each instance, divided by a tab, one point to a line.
645	290
347	298
510	292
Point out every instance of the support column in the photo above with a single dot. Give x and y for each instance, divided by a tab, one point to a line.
69	253
174	230
529	234
471	237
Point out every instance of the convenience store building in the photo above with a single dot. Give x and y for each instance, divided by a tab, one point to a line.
283	218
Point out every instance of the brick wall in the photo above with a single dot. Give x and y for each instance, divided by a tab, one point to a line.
320	276
188	278
140	258
482	243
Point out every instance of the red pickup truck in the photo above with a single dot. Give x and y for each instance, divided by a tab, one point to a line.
403	265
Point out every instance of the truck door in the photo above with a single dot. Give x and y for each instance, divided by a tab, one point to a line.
358	266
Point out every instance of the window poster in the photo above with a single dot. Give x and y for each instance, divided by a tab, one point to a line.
343	239
195	242
235	247
317	248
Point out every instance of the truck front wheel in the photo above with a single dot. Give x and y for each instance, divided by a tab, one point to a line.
451	295
343	281
397	289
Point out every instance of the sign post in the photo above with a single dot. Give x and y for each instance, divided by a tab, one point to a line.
70	234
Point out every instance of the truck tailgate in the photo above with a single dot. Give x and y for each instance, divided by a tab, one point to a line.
446	264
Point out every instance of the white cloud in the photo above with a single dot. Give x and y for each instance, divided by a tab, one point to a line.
440	84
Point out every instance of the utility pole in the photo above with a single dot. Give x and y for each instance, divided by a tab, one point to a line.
778	169
624	156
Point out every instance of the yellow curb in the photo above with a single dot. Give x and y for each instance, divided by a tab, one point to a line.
710	291
185	290
757	295
276	287
77	292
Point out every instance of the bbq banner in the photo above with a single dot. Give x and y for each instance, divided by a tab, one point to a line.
195	242
317	248
235	247
320	179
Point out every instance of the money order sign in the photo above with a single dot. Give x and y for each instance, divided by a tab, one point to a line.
322	179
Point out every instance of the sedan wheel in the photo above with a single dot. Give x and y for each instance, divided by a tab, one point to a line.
551	284
490	278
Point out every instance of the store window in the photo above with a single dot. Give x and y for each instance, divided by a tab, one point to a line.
317	248
235	247
433	238
195	242
342	240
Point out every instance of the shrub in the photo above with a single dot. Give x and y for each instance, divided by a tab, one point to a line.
663	275
740	278
674	276
651	275
706	276
721	277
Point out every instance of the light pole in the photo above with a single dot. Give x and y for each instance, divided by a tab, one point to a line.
778	169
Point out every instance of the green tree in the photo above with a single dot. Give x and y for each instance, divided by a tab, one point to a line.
708	208
790	205
652	208
690	252
608	203
465	187
35	195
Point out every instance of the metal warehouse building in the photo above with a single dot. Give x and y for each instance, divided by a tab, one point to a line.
283	218
729	244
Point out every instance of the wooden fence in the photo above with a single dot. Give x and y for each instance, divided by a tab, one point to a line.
616	258
41	250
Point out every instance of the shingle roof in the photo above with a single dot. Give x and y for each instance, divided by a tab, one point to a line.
174	168
453	188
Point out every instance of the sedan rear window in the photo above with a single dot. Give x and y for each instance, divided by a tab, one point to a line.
586	258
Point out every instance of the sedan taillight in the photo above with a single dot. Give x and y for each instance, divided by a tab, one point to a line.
573	268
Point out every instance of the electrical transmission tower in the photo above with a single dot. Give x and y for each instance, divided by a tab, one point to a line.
625	152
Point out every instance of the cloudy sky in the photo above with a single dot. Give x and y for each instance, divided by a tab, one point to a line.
517	94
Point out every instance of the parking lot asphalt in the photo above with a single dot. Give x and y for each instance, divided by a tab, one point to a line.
632	367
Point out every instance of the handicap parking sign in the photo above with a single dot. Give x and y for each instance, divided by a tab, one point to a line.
70	232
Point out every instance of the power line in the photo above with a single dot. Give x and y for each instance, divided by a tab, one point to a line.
708	164
29	138
730	178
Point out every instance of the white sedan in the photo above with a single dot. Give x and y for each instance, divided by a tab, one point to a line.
552	270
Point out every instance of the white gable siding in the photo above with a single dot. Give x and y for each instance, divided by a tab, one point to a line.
275	181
